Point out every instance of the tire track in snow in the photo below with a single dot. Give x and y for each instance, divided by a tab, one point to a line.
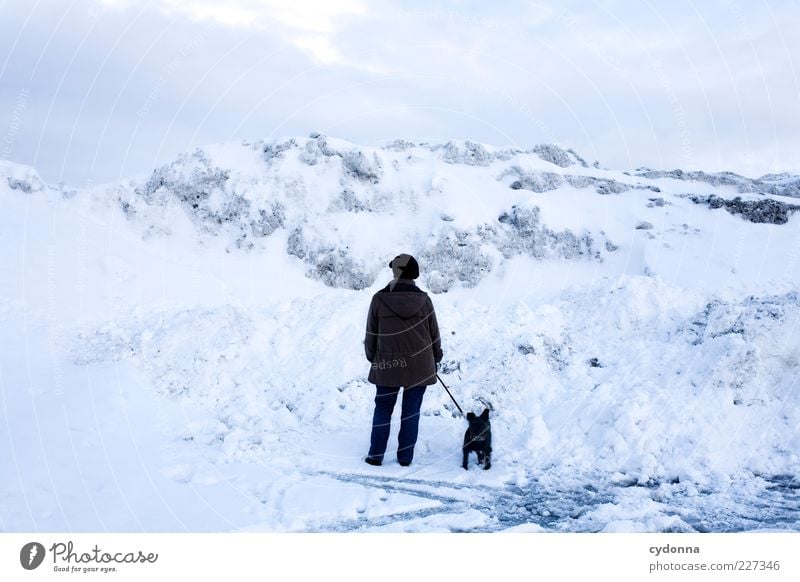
504	507
453	499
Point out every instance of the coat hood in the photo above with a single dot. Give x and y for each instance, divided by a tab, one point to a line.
404	304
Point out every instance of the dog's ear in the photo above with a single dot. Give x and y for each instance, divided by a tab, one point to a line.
485	414
470	416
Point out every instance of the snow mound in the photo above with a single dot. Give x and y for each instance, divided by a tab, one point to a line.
327	194
197	335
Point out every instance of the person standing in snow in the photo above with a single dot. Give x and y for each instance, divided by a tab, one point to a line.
403	347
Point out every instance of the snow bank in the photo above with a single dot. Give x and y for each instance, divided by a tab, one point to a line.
228	292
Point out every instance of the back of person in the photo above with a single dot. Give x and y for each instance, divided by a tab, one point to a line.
404	336
403	346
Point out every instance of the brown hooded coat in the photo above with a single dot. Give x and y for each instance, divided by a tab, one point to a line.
402	340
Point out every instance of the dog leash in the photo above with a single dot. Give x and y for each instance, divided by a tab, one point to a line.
451	396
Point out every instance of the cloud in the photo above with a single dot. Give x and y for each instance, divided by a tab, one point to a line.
708	86
309	25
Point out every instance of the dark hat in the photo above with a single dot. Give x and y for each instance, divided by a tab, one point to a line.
405	267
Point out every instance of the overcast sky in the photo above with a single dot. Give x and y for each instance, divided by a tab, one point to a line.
95	90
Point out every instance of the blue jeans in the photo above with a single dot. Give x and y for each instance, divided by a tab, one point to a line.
385	399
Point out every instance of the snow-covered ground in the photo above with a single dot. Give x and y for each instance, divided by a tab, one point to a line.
183	351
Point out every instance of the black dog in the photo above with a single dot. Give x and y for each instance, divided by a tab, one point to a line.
478	438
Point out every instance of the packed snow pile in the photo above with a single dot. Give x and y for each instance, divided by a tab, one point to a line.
633	334
334	199
782	184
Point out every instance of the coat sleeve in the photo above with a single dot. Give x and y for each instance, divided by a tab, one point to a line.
371	336
436	340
